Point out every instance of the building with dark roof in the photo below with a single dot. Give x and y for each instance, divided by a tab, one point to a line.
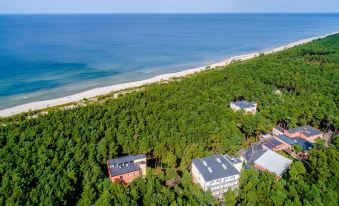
126	169
217	173
305	132
248	107
304	136
274	144
305	145
250	154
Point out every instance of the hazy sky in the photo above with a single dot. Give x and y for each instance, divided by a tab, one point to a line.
166	6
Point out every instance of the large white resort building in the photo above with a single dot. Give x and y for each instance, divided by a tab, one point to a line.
217	173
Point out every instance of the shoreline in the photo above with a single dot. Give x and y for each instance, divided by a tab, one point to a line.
39	105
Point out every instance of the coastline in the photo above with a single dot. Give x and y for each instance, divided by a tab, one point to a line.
38	105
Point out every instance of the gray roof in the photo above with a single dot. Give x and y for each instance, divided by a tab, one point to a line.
273	162
124	165
272	143
217	169
252	153
307	130
244	104
305	145
123	170
125	159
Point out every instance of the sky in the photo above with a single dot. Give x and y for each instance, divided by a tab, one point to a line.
168	6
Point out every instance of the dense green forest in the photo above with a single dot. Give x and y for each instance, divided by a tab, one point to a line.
60	158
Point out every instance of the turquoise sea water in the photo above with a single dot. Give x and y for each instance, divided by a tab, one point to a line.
49	56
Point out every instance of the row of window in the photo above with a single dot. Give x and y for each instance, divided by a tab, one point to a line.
222	180
231	184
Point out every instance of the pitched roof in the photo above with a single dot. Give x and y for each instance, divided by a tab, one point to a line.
123	165
272	143
305	145
123	170
245	104
125	159
215	167
273	162
251	154
279	129
307	130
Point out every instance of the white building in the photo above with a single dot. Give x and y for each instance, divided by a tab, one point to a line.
277	131
217	173
248	107
272	162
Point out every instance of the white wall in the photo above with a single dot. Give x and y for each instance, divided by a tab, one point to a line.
252	110
234	107
238	166
142	166
198	177
276	132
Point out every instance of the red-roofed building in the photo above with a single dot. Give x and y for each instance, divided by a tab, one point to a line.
307	133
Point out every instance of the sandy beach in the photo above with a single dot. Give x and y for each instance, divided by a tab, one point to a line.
38	105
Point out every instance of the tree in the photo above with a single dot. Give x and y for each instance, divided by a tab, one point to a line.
230	198
319	143
296	171
297	148
59	158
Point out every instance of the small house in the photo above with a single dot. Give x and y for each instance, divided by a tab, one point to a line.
247	107
126	169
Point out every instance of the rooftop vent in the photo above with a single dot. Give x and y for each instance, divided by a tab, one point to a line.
205	163
224	166
210	169
218	159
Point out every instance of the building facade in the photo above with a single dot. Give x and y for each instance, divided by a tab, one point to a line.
247	107
125	169
217	173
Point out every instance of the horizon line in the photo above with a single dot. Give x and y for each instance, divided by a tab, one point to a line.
103	13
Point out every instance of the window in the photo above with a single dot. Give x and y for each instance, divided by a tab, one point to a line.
205	163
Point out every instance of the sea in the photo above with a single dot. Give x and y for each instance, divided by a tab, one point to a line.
54	55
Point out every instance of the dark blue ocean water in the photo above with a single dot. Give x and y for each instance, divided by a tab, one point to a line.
49	56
